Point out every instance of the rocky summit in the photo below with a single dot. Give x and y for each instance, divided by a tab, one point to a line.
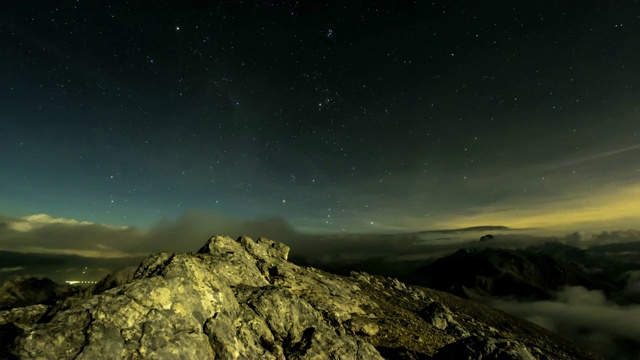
242	299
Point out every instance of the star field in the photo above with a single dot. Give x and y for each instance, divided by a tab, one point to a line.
337	117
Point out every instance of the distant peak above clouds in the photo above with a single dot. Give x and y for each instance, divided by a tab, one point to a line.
469	229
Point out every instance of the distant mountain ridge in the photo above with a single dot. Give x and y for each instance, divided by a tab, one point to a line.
523	273
467	229
27	290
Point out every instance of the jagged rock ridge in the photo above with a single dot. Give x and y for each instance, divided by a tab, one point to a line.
243	300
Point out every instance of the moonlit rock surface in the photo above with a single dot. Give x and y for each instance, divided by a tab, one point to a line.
242	299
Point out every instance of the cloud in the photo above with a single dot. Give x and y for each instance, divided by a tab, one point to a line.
28	223
618	236
43	233
586	317
469	229
61	247
46	234
598	156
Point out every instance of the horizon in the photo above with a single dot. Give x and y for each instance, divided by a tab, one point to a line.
44	234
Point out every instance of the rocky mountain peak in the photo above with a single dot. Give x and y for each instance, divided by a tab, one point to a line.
242	299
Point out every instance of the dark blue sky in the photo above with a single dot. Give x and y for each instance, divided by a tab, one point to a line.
369	116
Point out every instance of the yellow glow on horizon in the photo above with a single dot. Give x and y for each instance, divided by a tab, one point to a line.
614	205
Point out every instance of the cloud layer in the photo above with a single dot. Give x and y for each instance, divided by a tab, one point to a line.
586	317
45	234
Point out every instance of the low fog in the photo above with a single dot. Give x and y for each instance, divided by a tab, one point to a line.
585	317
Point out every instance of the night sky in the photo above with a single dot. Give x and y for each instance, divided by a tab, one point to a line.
345	116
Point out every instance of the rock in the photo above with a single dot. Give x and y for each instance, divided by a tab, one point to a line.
23	315
242	299
437	315
485	348
362	325
13	322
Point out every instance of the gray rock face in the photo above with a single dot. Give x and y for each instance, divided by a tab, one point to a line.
243	300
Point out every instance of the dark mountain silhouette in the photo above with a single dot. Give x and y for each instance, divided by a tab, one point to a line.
28	290
524	274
